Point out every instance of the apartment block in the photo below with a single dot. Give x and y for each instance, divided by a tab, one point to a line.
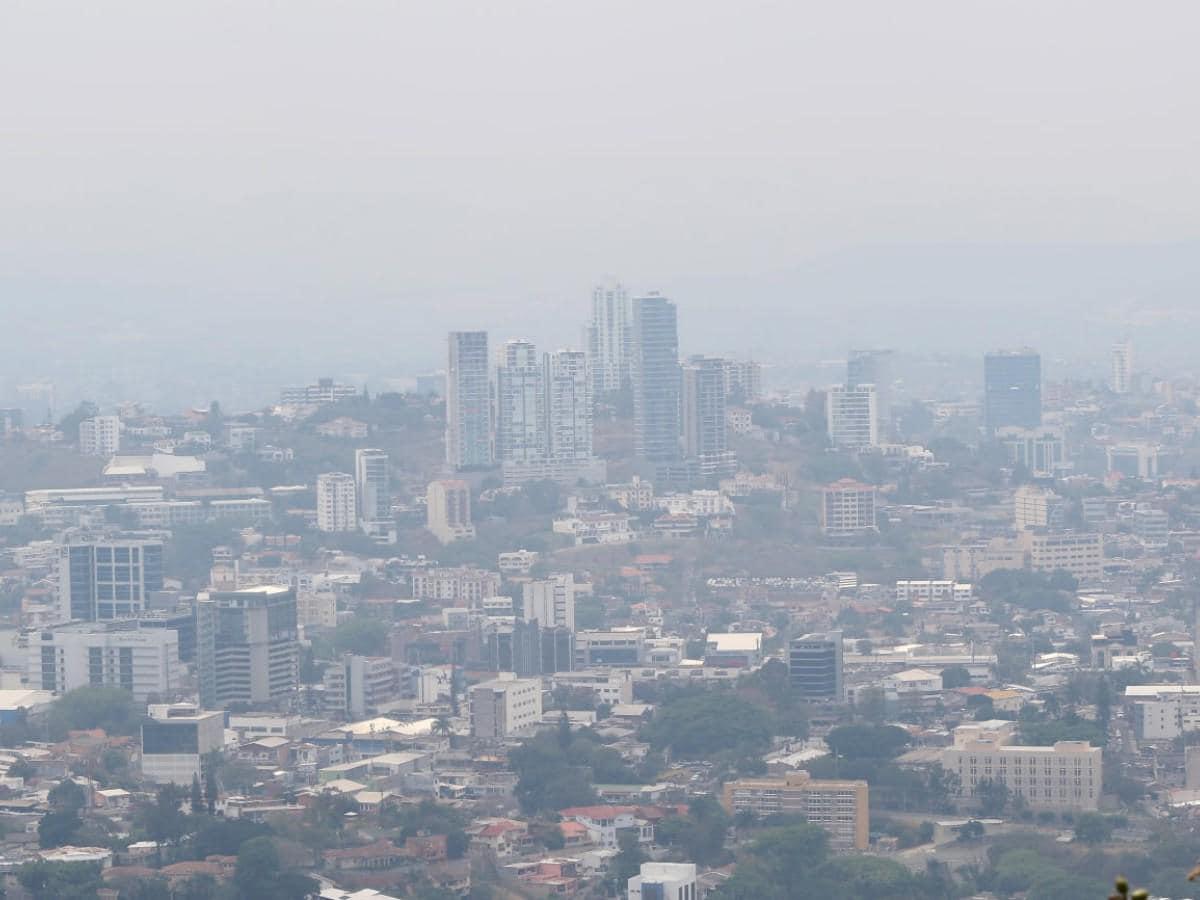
504	706
840	807
847	508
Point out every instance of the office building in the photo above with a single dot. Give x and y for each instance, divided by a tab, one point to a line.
336	504
1040	450
840	807
1137	460
551	601
874	367
656	381
177	741
851	415
360	686
247	648
324	392
1067	777
100	436
1012	389
664	881
847	508
503	707
609	339
1081	555
373	487
1122	367
705	430
1163	712
448	510
1151	526
107	578
468	402
611	647
122	655
1037	507
520	405
815	666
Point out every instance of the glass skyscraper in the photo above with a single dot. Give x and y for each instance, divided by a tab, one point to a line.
656	380
1012	389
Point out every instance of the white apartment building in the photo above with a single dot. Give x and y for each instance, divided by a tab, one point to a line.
176	739
336	505
1163	712
448	510
847	508
664	881
611	686
592	527
468	401
372	482
852	416
551	601
144	662
609	338
696	503
912	689
1067	776
925	591
517	562
635	496
504	706
1122	367
460	585
100	436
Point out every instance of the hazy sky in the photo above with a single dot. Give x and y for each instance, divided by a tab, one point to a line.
427	165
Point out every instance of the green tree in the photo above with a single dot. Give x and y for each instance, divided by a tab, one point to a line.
362	636
629	858
992	795
60	881
257	872
1093	828
197	796
700	835
701	723
867	741
58	827
67	796
955	677
110	709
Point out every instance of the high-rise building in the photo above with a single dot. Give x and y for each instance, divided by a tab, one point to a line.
100	436
177	741
448	510
336	507
360	686
468	401
247	647
656	380
743	381
664	881
520	405
705	430
1012	389
815	666
847	508
609	338
840	807
372	482
1122	367
144	662
568	405
851	416
551	601
874	367
107	578
504	706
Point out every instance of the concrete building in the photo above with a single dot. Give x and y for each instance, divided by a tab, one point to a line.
656	381
520	405
1037	507
840	807
735	649
358	687
664	881
460	585
468	401
323	392
1151	526
1065	777
1121	379
1080	554
609	339
551	601
100	436
107	578
847	508
852	416
1040	450
1163	712
912	690
1012	389
875	368
504	706
815	666
448	510
970	562
337	508
743	381
705	430
176	742
613	647
1136	460
122	655
373	487
923	592
247	647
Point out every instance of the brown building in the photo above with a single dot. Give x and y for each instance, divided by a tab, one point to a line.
840	807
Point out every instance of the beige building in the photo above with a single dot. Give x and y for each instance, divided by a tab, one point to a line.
336	506
504	706
1067	776
1036	507
1080	554
970	562
847	508
448	510
840	807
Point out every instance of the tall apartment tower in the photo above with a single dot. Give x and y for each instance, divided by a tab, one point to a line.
609	338
336	506
815	666
705	431
874	367
656	380
107	579
1012	389
551	601
568	405
468	401
100	436
520	405
852	416
1122	367
247	646
373	486
448	510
